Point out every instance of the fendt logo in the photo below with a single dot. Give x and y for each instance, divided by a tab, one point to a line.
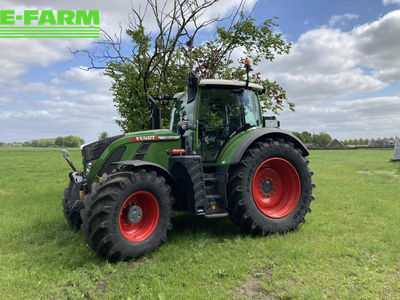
50	24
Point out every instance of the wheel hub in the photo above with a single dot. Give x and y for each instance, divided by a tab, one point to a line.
276	187
266	186
135	214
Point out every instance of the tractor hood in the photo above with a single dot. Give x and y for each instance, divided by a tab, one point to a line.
93	150
151	135
149	145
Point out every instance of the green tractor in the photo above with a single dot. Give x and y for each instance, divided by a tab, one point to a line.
220	157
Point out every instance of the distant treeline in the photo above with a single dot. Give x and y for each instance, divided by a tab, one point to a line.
70	141
322	139
371	142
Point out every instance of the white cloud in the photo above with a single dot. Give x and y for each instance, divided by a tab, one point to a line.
341	20
379	46
366	118
328	63
328	66
93	78
386	2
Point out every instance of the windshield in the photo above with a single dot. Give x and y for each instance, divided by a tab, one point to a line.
222	113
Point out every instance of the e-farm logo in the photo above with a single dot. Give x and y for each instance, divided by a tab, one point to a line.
50	24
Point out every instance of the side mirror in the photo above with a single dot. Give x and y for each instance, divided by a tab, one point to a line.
192	87
182	113
185	123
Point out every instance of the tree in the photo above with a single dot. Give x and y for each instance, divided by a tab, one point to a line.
59	142
160	61
322	139
299	135
103	135
69	141
306	136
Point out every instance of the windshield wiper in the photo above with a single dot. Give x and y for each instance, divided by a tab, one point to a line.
241	128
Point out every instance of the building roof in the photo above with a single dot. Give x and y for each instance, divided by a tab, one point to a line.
220	82
335	144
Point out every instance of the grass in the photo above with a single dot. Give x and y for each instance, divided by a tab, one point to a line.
348	248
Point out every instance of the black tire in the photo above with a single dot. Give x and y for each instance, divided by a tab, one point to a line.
72	205
103	212
243	208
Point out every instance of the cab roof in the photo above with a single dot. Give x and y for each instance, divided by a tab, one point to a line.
219	82
223	82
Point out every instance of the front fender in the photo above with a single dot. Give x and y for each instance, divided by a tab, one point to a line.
170	180
143	164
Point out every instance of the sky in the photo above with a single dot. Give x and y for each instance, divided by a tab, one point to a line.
343	71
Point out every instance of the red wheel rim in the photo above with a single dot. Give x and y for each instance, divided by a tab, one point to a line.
146	203
276	187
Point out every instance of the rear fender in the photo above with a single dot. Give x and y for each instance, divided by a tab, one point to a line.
264	133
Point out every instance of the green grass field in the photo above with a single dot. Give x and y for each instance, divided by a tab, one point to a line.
349	247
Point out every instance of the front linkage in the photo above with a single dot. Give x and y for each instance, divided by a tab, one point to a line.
73	195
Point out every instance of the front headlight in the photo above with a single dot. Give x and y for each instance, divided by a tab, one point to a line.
89	167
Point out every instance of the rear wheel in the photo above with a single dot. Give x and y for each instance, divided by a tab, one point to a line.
270	189
128	214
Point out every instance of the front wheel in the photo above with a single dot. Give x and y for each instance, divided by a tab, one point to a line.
270	189
128	215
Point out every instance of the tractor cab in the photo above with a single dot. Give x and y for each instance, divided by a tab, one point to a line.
220	110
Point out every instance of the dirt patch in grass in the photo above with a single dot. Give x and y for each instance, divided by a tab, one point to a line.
101	285
251	287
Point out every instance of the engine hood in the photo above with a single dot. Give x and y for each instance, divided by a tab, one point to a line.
151	133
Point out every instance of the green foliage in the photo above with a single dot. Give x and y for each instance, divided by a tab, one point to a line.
307	136
41	143
213	59
103	135
299	135
321	140
358	141
69	141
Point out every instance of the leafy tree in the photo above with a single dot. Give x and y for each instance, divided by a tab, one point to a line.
73	141
159	62
306	136
299	135
59	142
103	135
322	139
69	141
